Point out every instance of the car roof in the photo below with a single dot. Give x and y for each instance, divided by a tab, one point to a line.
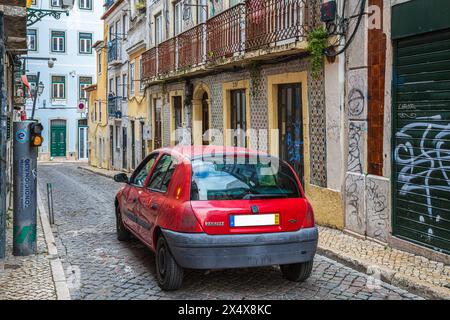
191	152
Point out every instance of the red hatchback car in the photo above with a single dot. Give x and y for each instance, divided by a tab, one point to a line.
215	208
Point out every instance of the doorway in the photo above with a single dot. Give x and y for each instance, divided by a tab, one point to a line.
290	126
58	138
158	132
82	139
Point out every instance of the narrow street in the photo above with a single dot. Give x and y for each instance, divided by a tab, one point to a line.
98	266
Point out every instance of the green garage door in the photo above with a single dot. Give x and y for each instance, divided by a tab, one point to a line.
58	138
421	121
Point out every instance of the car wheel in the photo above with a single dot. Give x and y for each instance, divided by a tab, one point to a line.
122	233
169	273
297	272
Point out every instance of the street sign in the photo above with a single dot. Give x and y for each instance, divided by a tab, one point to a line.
81	106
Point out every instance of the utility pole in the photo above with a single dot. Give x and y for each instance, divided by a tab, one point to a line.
3	137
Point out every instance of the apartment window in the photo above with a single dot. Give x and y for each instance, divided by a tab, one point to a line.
100	111
111	85
99	62
111	32
141	83
94	115
82	83
124	25
132	77
124	86
58	87
201	11
118	86
178	17
55	3
85	43
85	4
158	29
117	137
58	41
32	39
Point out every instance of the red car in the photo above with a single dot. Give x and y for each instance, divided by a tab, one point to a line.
215	208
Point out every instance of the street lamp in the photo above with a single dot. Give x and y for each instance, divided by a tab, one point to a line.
40	88
35	15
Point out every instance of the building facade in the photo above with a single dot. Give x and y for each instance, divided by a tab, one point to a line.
367	141
68	43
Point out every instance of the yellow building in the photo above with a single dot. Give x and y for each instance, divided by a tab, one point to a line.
98	133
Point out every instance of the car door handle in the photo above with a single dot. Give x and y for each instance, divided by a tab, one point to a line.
154	206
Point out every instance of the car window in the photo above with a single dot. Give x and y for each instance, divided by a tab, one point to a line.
212	180
141	173
161	176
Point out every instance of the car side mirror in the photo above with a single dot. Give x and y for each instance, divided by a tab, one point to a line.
121	177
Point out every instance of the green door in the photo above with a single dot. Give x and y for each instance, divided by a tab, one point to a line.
421	140
58	138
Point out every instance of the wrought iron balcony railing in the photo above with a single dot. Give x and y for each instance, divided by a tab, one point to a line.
114	108
224	33
273	21
113	50
245	27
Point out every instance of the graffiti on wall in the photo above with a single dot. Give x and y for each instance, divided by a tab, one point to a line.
377	209
355	145
354	203
423	156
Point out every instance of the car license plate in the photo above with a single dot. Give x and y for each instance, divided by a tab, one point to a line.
253	220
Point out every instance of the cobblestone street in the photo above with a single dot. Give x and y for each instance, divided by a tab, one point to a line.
98	266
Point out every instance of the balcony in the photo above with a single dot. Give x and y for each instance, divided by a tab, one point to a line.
114	52
263	28
114	107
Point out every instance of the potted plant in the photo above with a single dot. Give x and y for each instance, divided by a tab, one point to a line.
141	6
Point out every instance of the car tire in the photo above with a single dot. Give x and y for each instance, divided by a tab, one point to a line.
169	273
297	272
122	232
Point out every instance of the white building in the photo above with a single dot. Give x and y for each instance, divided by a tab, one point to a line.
69	40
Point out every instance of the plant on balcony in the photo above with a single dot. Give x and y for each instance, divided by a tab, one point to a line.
141	6
317	43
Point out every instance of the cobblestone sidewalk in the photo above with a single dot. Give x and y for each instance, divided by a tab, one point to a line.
27	278
411	272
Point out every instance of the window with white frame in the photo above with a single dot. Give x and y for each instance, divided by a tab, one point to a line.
58	41
141	83
58	87
85	43
124	86
85	4
132	77
158	29
202	11
118	91
111	85
83	82
32	39
99	62
178	17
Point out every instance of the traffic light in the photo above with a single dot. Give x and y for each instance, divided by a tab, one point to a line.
35	134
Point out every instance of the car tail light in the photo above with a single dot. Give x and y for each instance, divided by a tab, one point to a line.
188	221
308	222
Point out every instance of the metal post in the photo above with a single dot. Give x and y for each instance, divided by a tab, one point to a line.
25	195
3	150
35	94
51	217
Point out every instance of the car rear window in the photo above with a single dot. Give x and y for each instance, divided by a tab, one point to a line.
243	178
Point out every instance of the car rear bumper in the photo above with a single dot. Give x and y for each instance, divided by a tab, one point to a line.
203	251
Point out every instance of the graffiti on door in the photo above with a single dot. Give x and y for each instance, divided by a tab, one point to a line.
424	161
294	144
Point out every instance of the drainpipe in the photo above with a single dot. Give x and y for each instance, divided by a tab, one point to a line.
3	151
343	125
